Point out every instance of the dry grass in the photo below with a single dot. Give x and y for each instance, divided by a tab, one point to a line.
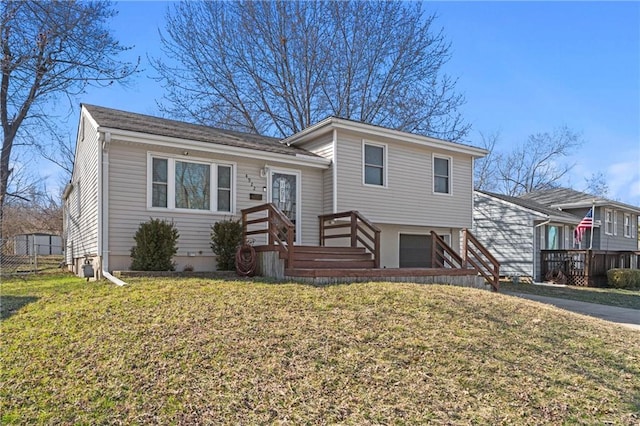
193	351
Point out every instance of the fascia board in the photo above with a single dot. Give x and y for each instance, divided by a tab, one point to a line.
171	142
337	123
598	203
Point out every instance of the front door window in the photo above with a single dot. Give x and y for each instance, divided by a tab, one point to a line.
284	195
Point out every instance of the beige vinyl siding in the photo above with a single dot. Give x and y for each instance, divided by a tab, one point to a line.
128	203
324	147
408	197
82	220
507	231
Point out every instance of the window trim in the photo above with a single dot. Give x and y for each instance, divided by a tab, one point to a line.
449	159
385	179
627	217
171	184
606	222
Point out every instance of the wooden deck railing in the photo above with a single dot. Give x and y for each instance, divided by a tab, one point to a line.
360	231
476	255
280	231
442	255
586	267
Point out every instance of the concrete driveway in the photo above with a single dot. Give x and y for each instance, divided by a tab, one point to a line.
624	316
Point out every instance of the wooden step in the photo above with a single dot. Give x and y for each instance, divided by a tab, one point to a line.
338	256
333	264
325	249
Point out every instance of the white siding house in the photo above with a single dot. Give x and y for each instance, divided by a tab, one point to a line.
129	168
515	230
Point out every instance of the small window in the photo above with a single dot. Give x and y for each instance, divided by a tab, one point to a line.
159	182
224	188
374	165
608	222
627	225
441	175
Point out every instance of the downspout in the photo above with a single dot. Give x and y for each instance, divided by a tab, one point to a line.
103	212
335	171
534	244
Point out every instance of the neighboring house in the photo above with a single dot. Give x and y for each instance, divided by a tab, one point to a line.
514	230
130	167
616	223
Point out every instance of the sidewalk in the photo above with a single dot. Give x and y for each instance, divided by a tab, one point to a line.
623	316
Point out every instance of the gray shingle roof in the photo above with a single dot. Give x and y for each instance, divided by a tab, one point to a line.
535	206
122	120
566	196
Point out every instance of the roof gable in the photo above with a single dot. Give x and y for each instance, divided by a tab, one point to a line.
331	123
556	214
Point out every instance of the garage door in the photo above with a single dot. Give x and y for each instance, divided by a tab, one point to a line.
415	251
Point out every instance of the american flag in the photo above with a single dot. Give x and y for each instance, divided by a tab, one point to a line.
585	223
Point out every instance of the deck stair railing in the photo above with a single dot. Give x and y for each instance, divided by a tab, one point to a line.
442	255
360	230
476	255
273	223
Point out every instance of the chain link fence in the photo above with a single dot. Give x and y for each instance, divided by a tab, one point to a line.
15	260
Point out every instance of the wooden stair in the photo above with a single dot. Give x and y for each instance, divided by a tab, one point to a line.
315	257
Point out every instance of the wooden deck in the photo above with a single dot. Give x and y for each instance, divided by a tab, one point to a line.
358	257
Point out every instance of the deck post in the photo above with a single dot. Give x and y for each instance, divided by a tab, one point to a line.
354	230
464	248
321	228
376	255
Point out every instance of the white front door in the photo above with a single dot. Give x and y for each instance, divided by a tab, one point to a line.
284	192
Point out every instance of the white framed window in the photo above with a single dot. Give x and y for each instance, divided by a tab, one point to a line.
609	222
627	225
184	183
441	174
374	164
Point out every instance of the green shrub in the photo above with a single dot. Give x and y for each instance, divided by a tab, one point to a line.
623	278
156	244
226	237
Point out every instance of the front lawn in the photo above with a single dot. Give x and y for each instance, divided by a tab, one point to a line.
604	296
193	351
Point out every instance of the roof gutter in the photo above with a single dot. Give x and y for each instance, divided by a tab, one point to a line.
209	147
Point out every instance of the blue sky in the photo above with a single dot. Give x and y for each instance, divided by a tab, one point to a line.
524	67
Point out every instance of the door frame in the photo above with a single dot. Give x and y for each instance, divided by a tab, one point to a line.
298	175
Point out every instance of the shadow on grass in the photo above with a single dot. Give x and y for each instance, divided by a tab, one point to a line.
10	305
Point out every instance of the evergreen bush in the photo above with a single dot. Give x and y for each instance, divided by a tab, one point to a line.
624	278
156	244
226	237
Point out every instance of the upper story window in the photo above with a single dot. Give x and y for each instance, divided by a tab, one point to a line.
374	164
627	225
610	222
190	185
442	175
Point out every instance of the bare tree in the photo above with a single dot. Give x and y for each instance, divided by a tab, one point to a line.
49	49
278	67
597	184
485	170
539	163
